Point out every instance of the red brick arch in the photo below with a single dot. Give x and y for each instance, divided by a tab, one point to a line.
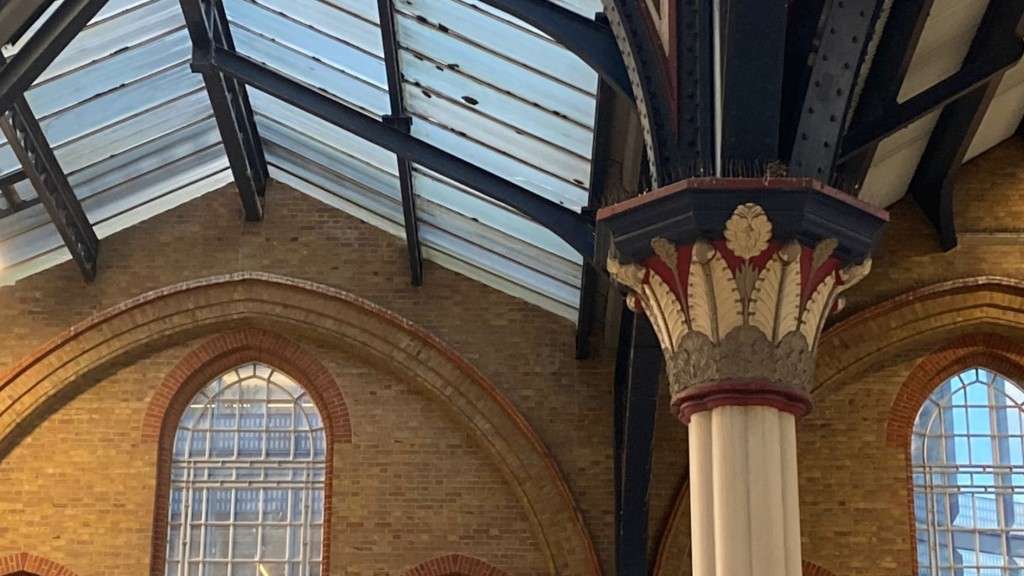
226	351
208	361
985	350
319	313
25	563
454	565
982	350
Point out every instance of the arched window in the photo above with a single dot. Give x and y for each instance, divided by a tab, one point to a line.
968	474
247	479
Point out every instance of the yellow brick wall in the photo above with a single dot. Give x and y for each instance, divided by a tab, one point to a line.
402	509
414	484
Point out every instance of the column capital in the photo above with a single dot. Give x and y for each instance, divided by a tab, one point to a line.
739	302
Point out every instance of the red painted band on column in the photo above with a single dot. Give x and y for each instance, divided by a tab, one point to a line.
739	393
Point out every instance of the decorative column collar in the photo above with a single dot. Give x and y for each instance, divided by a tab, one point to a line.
738	316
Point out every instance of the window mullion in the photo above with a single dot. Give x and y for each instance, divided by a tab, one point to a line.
231	473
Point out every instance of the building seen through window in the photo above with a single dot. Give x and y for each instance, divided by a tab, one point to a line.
247	479
968	477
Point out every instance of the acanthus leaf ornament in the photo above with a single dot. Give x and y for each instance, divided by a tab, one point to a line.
787	317
699	301
629	275
814	311
728	313
719	319
763	309
669	320
822	251
748	231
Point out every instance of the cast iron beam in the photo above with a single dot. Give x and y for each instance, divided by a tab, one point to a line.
13	178
208	27
14	201
637	372
673	85
996	47
946	91
801	36
752	53
600	151
932	184
10	196
576	229
591	40
845	37
889	67
401	120
43	47
17	16
26	138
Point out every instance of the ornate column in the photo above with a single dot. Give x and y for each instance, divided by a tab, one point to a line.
737	277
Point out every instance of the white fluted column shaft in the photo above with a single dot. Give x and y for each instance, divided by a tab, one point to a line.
744	501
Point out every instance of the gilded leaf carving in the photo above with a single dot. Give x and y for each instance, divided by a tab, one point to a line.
746	279
629	275
668	318
854	273
814	311
666	251
748	231
822	252
788	311
698	295
728	308
765	297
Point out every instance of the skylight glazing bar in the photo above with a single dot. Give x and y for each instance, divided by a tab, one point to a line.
16	17
401	120
576	229
17	75
38	162
592	41
208	27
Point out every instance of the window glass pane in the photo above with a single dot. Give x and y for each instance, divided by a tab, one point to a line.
197	448
174	542
249	457
274	543
247	507
217	541
245	543
223	444
216	569
968	474
275	505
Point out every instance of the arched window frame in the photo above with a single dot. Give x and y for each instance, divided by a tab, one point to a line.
987	464
993	351
204	364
